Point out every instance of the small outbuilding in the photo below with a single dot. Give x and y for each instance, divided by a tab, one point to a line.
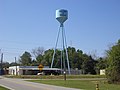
102	72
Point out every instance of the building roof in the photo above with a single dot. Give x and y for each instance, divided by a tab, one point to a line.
33	68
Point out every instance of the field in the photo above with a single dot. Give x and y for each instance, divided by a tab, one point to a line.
80	84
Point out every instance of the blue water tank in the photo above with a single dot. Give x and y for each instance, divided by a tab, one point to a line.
61	15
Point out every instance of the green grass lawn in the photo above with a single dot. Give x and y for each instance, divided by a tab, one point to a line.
2	88
80	84
55	77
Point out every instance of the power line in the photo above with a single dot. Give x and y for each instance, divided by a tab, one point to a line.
10	48
17	42
12	53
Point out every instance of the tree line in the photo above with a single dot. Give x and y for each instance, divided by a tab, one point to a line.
77	59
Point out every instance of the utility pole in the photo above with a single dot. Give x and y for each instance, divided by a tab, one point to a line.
0	60
1	64
16	66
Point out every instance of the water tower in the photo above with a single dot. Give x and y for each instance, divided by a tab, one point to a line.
62	16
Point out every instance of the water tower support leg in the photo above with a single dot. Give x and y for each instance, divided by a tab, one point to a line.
55	48
67	53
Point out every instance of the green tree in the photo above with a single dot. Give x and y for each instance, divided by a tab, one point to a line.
39	59
81	61
88	65
77	59
71	55
113	60
14	64
101	64
25	59
5	64
48	57
34	63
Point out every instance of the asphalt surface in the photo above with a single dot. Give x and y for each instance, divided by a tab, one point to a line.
20	84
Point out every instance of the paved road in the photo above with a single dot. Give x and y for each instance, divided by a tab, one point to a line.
19	84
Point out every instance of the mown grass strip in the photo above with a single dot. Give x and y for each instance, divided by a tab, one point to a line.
80	84
3	88
55	77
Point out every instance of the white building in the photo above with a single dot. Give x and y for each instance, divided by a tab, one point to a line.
32	70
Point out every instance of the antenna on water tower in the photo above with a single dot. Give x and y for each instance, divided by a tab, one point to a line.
62	16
